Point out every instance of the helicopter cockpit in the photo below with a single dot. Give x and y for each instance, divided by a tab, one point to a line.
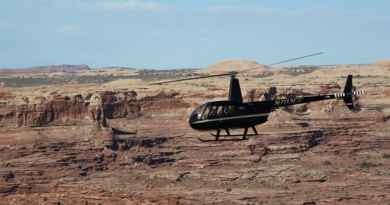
215	110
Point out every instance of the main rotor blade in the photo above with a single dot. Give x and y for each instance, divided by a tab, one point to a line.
234	72
285	61
294	59
194	78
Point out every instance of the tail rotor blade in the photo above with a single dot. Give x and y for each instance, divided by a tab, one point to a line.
349	95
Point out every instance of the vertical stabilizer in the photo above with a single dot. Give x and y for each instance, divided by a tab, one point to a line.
348	93
348	85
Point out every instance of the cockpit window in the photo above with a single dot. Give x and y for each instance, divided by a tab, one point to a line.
220	111
205	112
225	110
199	111
197	114
230	109
213	112
241	108
210	111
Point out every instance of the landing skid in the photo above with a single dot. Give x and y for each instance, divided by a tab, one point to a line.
218	135
238	135
222	140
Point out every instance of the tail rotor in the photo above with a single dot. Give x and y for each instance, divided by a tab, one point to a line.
350	95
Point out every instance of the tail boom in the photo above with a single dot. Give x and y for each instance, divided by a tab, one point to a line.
347	96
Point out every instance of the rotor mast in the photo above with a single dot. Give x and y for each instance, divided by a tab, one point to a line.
235	94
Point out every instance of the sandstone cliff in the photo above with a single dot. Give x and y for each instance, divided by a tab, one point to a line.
70	110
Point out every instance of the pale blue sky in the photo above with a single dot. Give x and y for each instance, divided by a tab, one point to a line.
175	34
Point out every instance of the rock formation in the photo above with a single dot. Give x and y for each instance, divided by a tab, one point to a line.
162	101
60	109
69	110
97	107
111	105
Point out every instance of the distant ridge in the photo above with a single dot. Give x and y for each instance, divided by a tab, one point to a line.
236	65
46	69
384	62
116	67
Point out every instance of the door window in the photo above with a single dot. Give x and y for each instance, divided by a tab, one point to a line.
219	111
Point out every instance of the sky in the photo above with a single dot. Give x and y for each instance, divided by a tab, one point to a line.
165	34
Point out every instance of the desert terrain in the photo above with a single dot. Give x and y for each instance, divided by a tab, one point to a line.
77	135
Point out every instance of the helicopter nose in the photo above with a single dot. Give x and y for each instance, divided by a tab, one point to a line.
193	124
195	116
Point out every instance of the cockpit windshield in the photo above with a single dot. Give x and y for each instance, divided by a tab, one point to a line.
197	113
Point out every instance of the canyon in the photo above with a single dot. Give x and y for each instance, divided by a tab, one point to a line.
128	142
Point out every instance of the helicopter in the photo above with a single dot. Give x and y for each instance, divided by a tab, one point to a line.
233	113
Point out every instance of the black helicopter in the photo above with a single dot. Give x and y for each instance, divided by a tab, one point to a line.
234	113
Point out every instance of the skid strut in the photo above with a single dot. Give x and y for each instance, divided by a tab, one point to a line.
217	135
254	130
245	133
